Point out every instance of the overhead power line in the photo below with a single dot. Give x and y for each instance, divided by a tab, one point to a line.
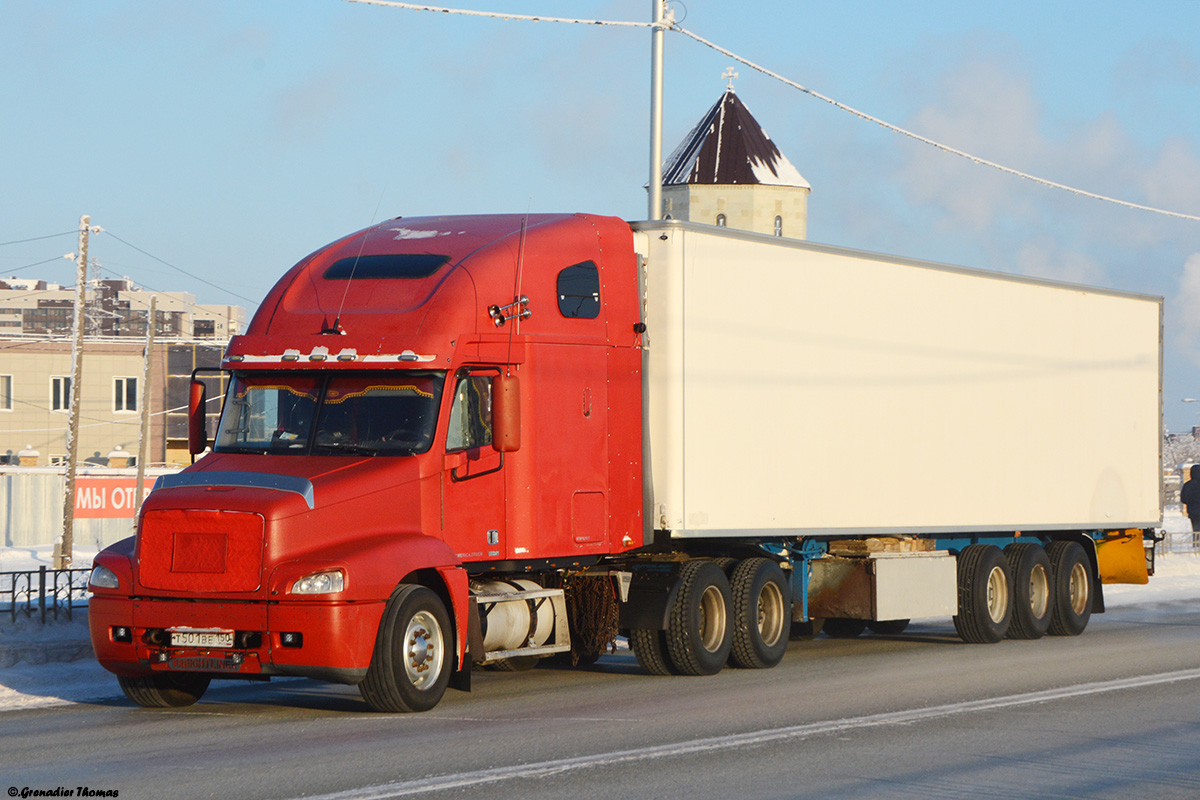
36	264
40	238
671	25
177	269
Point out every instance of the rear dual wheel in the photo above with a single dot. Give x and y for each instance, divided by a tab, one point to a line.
699	634
762	613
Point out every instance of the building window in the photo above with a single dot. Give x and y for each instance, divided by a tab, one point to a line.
779	226
720	220
5	392
125	394
60	393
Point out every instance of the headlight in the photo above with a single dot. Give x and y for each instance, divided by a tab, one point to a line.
103	578
329	582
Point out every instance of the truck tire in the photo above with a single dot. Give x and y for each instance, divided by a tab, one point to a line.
699	630
650	647
807	630
166	689
1032	590
411	665
984	600
888	627
515	664
844	627
1072	588
762	607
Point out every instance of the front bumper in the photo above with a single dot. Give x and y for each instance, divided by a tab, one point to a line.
328	641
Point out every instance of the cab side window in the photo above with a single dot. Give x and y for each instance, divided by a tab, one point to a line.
579	291
471	413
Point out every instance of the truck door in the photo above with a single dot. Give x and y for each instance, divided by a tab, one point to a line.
473	475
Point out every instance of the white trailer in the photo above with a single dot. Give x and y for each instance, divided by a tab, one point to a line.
797	389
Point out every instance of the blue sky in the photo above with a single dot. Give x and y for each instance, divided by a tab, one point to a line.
232	138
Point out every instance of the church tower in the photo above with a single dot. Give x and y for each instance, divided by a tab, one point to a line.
727	171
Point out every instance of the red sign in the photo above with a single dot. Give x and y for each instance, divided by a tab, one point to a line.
107	498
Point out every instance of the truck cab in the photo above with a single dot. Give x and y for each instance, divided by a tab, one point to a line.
417	412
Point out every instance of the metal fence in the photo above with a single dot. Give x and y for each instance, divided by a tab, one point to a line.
41	593
1177	543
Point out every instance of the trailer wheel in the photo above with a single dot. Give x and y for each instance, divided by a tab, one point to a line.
761	613
699	633
650	647
844	627
411	665
166	689
984	600
807	630
1072	588
1032	589
888	627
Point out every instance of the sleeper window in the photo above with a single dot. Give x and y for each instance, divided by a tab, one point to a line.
579	291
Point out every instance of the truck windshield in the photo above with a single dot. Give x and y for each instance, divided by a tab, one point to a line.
391	413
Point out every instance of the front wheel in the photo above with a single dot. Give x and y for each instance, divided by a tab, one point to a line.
411	665
165	689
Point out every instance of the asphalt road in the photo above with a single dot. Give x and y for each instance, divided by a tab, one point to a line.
1112	713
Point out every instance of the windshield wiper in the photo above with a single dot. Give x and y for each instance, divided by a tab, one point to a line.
346	447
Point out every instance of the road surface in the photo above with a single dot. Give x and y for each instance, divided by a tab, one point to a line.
1108	714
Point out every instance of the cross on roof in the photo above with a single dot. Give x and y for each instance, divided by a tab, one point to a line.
730	76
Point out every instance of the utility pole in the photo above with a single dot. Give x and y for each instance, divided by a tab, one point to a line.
65	555
656	112
144	436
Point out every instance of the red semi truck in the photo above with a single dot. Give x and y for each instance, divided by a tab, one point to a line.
485	440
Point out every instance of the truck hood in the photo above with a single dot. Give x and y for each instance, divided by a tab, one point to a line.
219	527
321	481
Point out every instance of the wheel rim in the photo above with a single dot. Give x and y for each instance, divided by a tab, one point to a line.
997	594
423	652
1078	591
1039	591
712	619
770	614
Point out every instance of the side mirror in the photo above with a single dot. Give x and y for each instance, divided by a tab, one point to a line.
506	413
197	431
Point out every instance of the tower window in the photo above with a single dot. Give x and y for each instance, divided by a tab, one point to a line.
779	226
720	220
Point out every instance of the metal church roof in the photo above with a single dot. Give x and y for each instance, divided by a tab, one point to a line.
728	146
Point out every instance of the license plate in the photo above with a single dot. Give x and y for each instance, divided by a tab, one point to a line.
201	638
204	664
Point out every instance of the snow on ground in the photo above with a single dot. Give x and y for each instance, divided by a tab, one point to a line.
25	685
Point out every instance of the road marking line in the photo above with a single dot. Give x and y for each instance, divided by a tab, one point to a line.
407	788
